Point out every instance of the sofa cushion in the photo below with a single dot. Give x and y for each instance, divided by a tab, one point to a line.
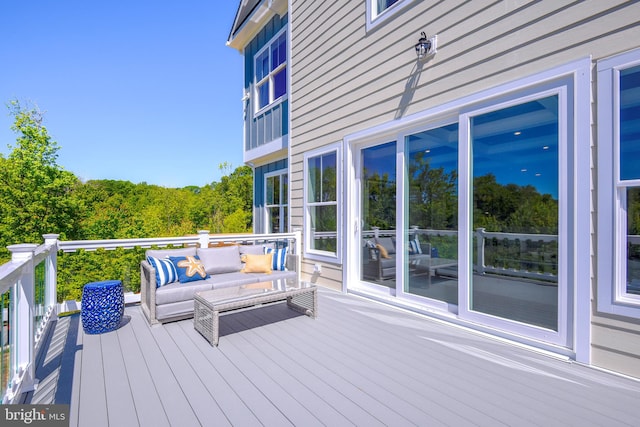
388	243
189	268
177	291
165	270
279	258
165	253
257	263
231	279
253	249
383	251
224	259
414	247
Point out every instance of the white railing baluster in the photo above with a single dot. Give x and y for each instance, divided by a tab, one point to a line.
480	265
22	328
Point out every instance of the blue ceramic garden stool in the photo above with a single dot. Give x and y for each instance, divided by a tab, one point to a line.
102	306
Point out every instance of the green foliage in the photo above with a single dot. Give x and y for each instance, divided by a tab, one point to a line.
513	209
81	267
38	197
35	193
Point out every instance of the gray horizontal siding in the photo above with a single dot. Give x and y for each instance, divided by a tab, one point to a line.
346	79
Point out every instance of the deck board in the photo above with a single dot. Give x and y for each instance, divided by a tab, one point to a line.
358	363
92	390
143	392
172	400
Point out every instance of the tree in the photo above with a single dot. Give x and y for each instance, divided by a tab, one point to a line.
34	189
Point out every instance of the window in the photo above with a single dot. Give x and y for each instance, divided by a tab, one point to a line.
619	184
322	216
382	5
271	72
380	10
276	204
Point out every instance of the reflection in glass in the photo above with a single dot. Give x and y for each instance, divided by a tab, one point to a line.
378	210
322	201
432	201
322	178
323	224
276	203
515	213
633	240
629	132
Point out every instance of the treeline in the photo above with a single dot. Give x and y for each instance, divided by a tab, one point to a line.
37	196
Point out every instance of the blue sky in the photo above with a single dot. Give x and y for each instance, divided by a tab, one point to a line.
136	90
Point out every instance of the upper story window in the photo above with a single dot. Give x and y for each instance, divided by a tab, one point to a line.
271	72
380	10
619	184
382	5
322	203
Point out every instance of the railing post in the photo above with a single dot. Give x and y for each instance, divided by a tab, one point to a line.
480	249
22	363
51	271
298	248
203	238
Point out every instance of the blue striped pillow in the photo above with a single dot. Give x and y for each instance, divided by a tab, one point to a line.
414	247
279	258
165	271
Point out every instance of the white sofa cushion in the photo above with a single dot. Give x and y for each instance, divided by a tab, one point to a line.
225	259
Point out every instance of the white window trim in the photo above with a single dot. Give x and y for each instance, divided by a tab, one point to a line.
281	205
579	71
308	251
612	295
374	19
563	336
272	102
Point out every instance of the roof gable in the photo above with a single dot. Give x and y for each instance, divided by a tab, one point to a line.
251	16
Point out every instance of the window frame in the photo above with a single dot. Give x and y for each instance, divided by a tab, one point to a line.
613	297
281	205
309	252
270	76
375	18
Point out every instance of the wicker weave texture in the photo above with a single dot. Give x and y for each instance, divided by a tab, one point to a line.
207	309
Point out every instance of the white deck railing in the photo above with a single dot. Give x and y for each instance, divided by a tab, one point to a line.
28	288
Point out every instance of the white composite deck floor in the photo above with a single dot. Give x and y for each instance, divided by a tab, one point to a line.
359	363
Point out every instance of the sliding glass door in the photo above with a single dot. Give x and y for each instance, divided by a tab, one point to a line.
515	213
431	209
472	215
378	215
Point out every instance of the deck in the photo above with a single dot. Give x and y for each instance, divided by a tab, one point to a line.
359	363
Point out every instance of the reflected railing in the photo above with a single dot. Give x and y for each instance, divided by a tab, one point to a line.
31	295
525	255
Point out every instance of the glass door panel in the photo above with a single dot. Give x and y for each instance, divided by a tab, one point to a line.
431	206
515	164
378	213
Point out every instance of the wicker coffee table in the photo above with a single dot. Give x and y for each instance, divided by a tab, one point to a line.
300	296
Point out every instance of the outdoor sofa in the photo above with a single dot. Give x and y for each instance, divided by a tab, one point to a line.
224	266
379	255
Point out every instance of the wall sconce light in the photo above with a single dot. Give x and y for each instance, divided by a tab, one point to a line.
425	46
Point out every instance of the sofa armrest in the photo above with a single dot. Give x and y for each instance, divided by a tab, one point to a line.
292	262
148	291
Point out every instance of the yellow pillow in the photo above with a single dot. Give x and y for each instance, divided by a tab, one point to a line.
383	251
257	263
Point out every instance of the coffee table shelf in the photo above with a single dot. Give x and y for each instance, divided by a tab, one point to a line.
300	296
